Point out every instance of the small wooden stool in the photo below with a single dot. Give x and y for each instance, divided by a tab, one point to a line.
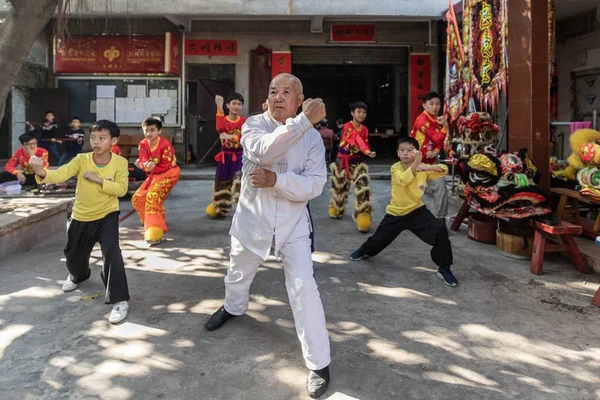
463	213
566	231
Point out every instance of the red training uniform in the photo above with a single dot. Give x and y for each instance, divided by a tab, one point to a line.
430	135
21	159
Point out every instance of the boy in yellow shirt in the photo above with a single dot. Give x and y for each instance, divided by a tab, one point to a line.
101	180
407	211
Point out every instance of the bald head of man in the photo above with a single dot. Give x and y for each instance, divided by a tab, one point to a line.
285	97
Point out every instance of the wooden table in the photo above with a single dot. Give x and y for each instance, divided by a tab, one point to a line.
590	228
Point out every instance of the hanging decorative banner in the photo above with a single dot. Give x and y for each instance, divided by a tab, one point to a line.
281	61
420	82
456	90
352	33
486	33
210	47
552	60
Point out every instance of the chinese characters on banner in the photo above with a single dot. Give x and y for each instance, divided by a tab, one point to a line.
352	33
118	54
281	61
201	47
420	82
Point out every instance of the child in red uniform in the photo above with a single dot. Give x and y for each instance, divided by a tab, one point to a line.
430	131
20	159
157	159
349	168
226	187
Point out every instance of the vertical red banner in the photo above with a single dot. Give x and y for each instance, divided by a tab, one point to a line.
172	53
281	61
420	82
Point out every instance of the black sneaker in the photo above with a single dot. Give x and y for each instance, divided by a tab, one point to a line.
358	255
447	276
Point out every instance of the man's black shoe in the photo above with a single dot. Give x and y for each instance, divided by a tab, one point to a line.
218	319
317	382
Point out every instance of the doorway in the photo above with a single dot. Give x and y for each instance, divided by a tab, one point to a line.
204	82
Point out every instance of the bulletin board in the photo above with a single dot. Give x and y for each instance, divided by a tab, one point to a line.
127	101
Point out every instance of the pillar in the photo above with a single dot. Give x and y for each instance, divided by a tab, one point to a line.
528	82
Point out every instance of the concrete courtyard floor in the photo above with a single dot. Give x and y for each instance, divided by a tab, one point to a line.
396	331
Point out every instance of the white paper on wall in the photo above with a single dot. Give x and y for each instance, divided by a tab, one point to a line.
110	105
105	91
153	93
100	106
131	91
130	104
93	107
141	91
139	103
120	104
120	116
173	94
163	93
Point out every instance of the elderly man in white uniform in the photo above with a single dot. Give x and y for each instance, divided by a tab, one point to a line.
284	168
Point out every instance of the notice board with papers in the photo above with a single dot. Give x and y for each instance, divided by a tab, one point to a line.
126	101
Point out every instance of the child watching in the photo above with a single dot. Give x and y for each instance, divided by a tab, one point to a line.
157	159
20	159
47	134
73	144
226	188
406	211
101	180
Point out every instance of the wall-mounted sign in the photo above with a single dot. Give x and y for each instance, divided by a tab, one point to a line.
352	33
210	47
118	54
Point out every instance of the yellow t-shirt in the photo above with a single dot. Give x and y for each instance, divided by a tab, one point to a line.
93	201
408	189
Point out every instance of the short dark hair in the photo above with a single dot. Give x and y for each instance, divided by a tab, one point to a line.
153	121
340	121
26	137
75	118
358	104
235	96
409	140
431	96
105	124
324	122
49	112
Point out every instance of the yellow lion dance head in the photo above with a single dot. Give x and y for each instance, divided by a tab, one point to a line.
585	148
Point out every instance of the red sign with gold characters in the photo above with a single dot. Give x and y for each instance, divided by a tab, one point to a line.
352	33
119	54
420	82
281	62
210	47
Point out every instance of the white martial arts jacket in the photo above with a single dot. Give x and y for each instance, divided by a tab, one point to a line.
295	152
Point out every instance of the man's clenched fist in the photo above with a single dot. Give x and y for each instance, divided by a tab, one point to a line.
263	178
314	109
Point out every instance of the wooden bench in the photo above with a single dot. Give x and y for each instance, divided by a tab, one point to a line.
570	197
544	242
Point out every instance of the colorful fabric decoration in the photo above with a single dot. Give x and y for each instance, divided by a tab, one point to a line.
484	34
457	91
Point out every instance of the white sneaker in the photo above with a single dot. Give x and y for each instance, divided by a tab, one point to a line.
119	312
69	285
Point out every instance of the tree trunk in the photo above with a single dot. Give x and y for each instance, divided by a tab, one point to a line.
24	22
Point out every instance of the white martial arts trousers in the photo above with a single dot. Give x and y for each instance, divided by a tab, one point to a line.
302	291
440	196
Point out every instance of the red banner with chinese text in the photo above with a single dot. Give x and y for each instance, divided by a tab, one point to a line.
420	82
352	33
210	47
281	62
116	54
